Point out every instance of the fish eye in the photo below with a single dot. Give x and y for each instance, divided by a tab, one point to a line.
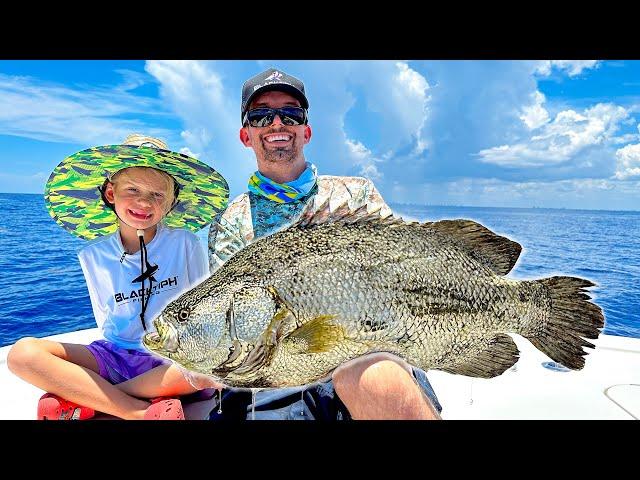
183	315
232	348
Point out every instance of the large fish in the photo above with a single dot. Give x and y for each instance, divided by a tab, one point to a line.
288	309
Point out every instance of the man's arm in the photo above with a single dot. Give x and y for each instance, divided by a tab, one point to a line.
230	232
355	191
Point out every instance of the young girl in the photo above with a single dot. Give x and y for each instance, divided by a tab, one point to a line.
134	266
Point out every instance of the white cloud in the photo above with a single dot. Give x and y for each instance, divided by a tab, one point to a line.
364	158
33	176
131	79
571	67
410	99
189	153
563	138
51	112
210	114
626	138
585	193
179	78
199	136
535	115
628	162
17	183
410	93
415	91
398	95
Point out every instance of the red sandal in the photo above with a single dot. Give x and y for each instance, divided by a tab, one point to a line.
164	408
53	407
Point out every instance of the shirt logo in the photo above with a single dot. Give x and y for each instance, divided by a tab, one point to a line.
154	289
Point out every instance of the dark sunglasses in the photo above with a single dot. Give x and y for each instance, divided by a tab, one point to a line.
263	117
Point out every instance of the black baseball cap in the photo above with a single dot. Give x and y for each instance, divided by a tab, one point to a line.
272	79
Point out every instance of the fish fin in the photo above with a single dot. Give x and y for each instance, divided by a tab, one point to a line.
492	357
282	323
317	335
494	251
316	215
572	316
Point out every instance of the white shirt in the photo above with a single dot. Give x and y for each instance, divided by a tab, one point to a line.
116	302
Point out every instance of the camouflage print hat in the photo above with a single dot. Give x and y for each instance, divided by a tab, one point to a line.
75	202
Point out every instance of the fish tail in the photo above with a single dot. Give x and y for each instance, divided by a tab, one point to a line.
572	317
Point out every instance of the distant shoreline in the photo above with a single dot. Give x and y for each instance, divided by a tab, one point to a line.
418	205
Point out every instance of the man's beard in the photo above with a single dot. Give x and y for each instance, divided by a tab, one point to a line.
279	156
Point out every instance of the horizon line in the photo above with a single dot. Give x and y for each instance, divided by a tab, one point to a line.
446	205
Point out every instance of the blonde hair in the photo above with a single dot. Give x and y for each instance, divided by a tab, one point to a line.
150	173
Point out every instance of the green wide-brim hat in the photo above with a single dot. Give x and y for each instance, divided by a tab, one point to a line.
75	202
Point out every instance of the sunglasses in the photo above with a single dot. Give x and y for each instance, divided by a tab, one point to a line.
263	117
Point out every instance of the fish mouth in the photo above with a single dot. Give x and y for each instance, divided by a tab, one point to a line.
164	339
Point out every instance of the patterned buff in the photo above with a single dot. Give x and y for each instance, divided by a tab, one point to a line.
284	192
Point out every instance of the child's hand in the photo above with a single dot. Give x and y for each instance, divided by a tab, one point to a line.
201	381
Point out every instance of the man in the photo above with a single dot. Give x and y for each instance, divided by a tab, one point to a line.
274	115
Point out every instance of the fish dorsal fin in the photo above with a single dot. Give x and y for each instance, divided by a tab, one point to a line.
323	213
494	251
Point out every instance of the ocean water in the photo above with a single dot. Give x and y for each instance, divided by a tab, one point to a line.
44	292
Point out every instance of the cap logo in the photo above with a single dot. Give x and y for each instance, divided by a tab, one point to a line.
274	76
271	83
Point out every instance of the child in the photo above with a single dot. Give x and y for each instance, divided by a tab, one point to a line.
145	183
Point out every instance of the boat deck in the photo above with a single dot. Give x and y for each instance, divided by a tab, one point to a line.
534	388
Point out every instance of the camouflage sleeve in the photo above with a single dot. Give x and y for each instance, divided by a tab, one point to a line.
230	232
357	191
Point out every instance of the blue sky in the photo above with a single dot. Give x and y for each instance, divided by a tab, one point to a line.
561	134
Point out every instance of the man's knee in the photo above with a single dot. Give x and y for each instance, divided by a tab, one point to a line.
380	374
382	387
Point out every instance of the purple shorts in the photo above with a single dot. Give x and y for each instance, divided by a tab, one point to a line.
120	364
